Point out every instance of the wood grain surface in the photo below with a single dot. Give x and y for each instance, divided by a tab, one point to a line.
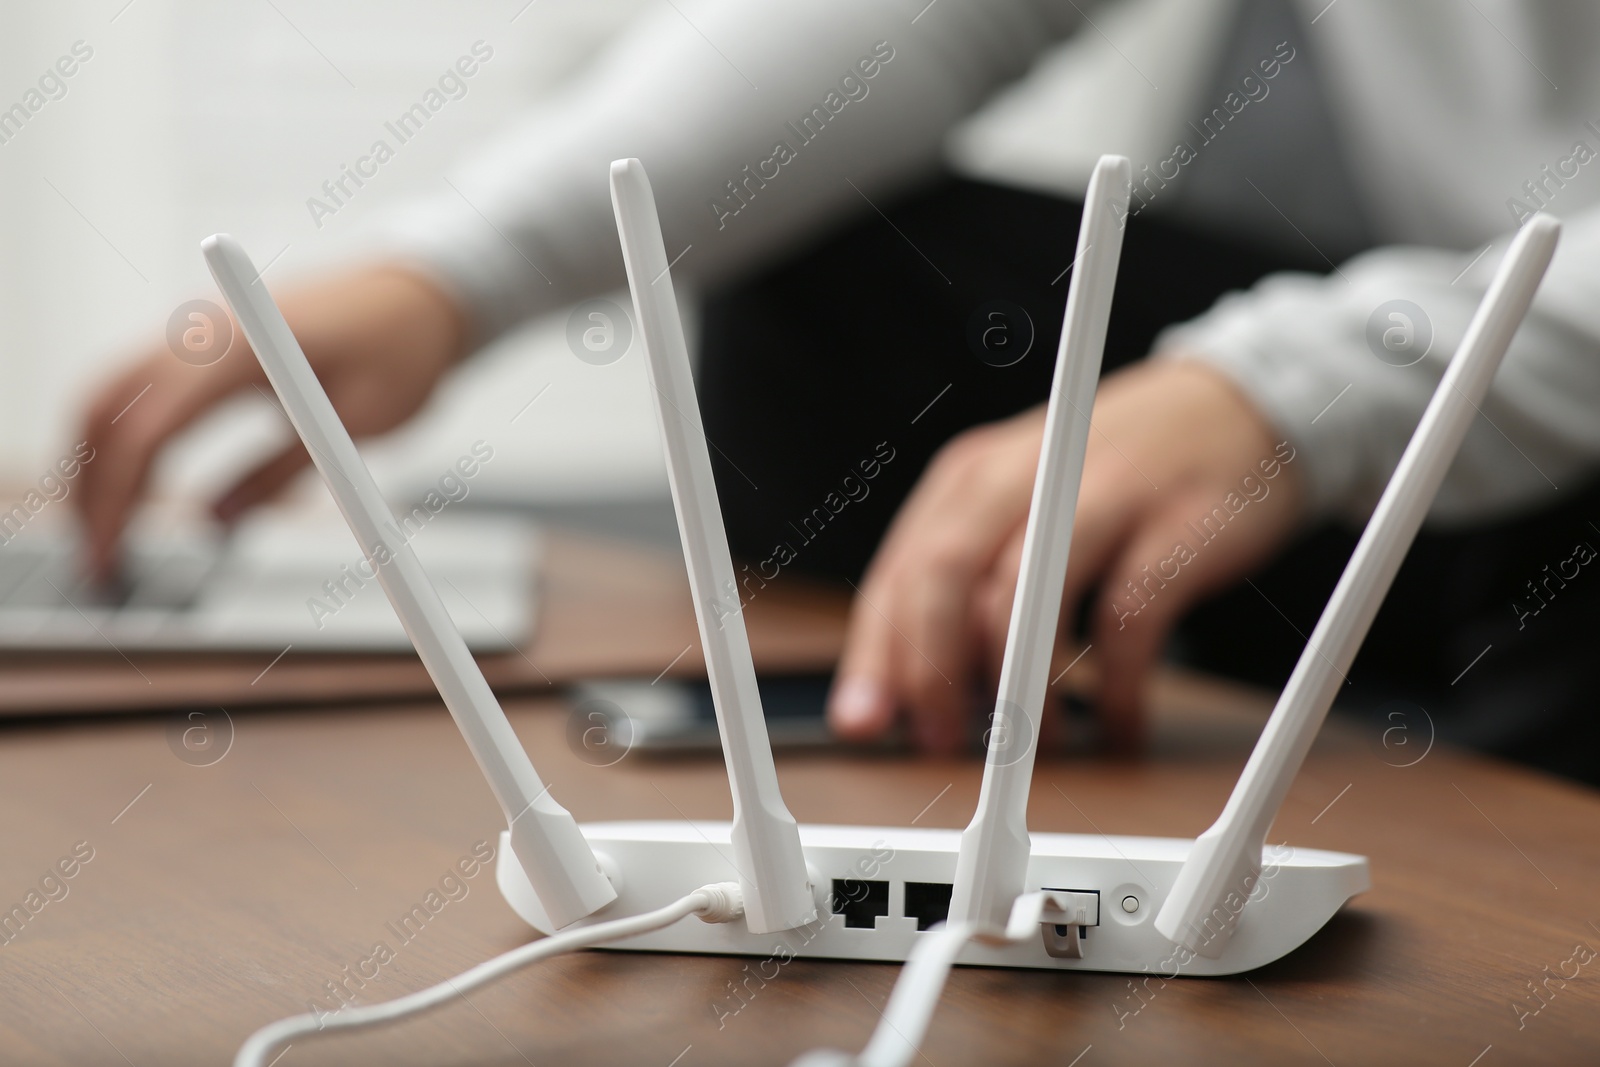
227	895
221	897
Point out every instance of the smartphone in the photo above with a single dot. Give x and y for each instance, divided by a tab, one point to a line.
622	715
613	717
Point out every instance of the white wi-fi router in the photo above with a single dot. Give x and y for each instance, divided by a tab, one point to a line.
1221	904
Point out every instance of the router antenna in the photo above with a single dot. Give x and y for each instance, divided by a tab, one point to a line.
993	862
765	838
1222	868
551	849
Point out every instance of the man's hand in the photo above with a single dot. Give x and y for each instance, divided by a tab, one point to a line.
378	338
1175	453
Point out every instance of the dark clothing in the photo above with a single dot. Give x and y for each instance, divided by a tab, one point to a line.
886	339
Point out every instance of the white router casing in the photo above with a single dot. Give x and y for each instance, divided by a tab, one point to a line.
1221	904
856	871
653	863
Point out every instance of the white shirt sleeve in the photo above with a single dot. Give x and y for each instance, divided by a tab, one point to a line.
1306	349
757	126
760	127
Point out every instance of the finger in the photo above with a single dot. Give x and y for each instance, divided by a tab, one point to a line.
861	706
1135	611
1165	568
1109	504
96	429
123	431
1103	516
127	427
934	660
1053	731
995	608
265	481
979	479
913	622
994	604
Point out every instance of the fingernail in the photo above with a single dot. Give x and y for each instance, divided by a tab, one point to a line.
857	704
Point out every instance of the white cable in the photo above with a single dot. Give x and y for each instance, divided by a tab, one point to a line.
720	902
905	1020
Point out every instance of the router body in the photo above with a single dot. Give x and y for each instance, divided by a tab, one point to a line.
1222	903
873	893
879	889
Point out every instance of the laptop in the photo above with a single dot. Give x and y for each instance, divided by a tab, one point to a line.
287	576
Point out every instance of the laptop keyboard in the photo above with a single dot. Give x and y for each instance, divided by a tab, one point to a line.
275	581
47	576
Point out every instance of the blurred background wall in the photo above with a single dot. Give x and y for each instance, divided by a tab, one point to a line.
194	116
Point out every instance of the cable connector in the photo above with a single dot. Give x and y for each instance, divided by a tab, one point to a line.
904	1021
724	902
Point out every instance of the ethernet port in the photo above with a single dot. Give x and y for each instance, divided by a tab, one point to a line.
860	902
928	902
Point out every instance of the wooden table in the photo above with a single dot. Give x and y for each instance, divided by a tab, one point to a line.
587	584
221	897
